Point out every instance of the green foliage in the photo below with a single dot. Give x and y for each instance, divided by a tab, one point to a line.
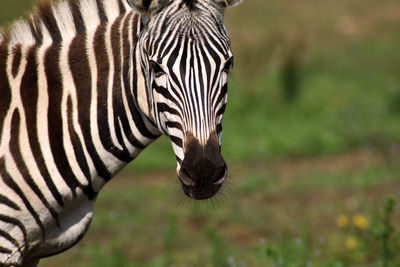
291	74
111	258
169	235
218	251
295	252
284	212
385	234
377	244
10	9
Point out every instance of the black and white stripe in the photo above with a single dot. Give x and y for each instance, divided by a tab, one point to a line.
190	66
86	85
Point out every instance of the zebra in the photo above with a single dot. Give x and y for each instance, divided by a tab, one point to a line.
85	86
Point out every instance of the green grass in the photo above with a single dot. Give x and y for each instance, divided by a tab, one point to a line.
312	131
283	210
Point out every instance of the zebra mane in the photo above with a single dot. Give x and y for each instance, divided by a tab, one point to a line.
59	21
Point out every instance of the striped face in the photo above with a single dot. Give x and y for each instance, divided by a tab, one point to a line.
187	56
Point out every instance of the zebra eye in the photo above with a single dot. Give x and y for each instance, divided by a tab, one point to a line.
156	68
228	65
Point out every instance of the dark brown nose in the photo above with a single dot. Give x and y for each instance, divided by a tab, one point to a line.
203	169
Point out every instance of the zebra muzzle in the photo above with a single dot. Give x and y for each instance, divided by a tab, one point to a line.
203	169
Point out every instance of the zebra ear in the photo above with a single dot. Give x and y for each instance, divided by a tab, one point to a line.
149	7
228	3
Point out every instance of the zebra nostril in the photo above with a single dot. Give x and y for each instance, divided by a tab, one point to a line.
223	174
185	178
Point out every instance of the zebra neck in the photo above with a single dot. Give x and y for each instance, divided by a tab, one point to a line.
70	99
114	130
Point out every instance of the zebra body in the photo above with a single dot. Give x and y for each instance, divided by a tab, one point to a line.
85	86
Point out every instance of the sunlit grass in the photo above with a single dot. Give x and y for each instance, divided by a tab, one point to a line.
276	212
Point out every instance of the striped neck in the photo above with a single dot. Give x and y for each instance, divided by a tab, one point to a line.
75	77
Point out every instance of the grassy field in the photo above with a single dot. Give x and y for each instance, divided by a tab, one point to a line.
312	138
279	213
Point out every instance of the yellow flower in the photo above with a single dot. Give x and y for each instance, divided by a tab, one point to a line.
342	221
351	243
360	221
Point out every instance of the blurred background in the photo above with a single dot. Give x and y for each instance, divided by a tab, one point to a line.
312	139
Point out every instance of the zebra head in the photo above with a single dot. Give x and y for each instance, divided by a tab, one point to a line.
185	57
